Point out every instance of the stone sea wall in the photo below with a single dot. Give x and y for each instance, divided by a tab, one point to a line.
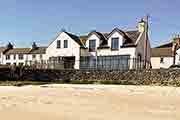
137	77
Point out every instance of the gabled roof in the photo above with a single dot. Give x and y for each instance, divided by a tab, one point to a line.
38	50
18	51
130	37
162	52
74	37
100	35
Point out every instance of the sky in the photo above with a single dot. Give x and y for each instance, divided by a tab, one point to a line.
25	21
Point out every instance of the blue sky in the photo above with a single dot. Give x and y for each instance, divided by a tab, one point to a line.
25	21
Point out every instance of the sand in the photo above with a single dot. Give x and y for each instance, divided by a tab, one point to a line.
89	102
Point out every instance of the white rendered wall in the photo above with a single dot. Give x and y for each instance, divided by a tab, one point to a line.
72	50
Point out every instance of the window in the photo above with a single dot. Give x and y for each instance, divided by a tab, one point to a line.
21	57
162	60
41	56
115	43
34	56
92	45
14	57
58	44
7	57
21	64
65	44
8	63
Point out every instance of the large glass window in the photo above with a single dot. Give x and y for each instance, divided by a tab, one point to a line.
92	45
115	43
65	43
58	44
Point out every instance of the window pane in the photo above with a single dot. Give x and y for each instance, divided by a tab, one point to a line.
65	44
92	44
21	57
33	56
58	44
115	43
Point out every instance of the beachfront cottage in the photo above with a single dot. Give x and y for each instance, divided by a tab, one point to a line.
117	49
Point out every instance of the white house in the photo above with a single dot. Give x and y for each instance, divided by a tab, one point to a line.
162	57
65	47
118	48
21	56
166	55
16	56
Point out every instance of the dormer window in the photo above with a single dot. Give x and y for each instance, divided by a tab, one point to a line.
92	45
115	43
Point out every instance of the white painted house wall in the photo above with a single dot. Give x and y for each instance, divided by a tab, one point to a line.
177	57
37	58
17	60
72	50
1	58
156	62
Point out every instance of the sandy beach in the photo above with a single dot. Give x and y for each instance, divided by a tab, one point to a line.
89	102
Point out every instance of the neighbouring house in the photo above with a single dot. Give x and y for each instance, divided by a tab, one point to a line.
166	55
3	50
162	57
16	56
37	54
22	56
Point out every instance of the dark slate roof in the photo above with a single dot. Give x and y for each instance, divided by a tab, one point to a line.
2	49
38	50
130	38
162	52
133	35
75	38
18	51
165	45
